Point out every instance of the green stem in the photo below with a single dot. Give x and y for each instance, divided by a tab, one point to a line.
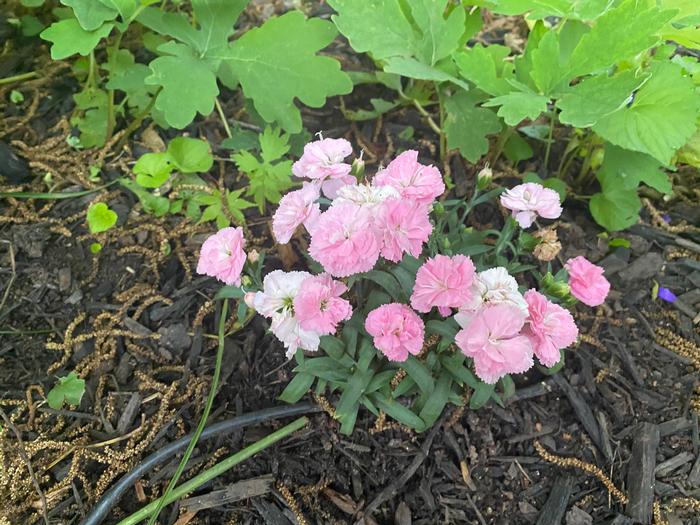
584	167
18	78
549	141
443	135
111	119
216	470
136	122
428	117
220	110
92	72
202	421
502	139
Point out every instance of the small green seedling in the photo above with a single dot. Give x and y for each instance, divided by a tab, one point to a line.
69	390
100	218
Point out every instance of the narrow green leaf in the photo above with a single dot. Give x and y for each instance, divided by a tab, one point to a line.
399	412
419	373
297	387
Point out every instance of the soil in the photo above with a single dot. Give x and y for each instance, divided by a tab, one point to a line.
139	324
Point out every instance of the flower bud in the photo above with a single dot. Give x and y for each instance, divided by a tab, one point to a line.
358	168
247	281
551	286
483	178
253	256
439	209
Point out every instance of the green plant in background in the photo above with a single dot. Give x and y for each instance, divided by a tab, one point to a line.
602	68
188	55
168	182
268	176
68	390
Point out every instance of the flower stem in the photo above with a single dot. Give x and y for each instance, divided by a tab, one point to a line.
220	110
161	502
18	78
215	471
549	140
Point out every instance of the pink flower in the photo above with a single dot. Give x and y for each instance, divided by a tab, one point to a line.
550	328
276	301
344	240
493	340
296	208
323	161
530	200
222	256
586	281
445	282
318	306
413	180
397	331
405	226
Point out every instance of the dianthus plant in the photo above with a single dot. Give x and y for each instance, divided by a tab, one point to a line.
403	308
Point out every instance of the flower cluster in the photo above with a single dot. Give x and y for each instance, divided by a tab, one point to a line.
355	223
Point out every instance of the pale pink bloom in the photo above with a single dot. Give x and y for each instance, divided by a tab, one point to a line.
278	293
286	328
323	159
493	340
445	282
276	301
318	306
296	208
344	240
550	328
586	281
331	187
222	256
530	200
404	226
397	331
414	180
365	196
492	286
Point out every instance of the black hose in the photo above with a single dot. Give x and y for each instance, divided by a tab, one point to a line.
111	497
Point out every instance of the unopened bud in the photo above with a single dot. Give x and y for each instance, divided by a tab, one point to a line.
551	286
246	281
253	256
483	178
358	168
439	209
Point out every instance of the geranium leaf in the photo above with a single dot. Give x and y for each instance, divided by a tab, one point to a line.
484	66
517	106
90	14
69	38
273	74
378	27
615	209
190	155
440	35
182	97
660	119
468	125
598	96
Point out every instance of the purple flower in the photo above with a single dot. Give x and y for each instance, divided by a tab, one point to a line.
666	294
667	218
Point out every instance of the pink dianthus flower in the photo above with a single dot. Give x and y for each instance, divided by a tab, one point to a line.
322	161
404	226
397	331
493	340
222	256
414	180
296	208
549	327
530	200
586	281
318	306
445	282
345	241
